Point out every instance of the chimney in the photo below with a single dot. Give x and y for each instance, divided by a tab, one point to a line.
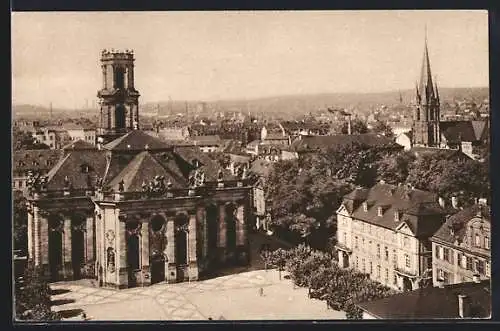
476	278
463	306
441	202
454	202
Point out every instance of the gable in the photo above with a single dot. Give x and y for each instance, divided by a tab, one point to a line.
342	210
404	228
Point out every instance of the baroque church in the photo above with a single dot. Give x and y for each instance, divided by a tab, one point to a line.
135	210
429	131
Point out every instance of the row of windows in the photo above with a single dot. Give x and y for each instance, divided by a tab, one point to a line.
385	255
463	261
479	243
378	275
36	163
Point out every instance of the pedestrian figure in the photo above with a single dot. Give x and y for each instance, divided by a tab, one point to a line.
261	291
210	318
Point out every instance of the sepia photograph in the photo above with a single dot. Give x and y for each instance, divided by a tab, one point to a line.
250	165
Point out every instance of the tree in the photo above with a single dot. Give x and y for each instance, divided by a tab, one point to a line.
395	169
447	176
32	298
20	222
383	129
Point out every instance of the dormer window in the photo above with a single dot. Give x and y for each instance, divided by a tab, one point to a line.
380	212
396	216
365	206
85	168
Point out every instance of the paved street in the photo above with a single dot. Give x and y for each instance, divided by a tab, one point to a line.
234	297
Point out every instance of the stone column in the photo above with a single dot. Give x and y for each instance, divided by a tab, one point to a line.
205	234
192	258
145	253
44	242
221	234
103	76
242	235
121	255
31	250
37	256
89	239
130	73
170	266
67	266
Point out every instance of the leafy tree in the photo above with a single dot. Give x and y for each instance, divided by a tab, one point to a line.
395	169
383	129
32	298
20	222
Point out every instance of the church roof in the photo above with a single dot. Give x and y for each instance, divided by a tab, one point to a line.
74	167
315	143
35	160
457	131
142	169
210	167
136	140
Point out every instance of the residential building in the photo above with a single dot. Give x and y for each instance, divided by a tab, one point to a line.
464	300
461	248
208	144
384	231
80	132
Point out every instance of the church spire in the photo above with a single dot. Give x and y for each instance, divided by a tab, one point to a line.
425	83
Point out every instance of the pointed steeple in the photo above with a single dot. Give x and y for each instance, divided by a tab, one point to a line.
425	83
436	91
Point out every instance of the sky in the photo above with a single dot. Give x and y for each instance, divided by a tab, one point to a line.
242	55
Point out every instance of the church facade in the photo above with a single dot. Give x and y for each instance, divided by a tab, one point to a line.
428	130
135	210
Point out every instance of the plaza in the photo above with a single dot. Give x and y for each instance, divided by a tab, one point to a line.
232	297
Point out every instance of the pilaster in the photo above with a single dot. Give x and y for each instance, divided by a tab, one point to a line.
170	267
221	234
121	253
89	239
192	258
241	235
67	266
37	256
146	279
31	250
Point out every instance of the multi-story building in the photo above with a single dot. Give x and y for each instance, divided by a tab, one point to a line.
79	132
135	210
461	246
384	231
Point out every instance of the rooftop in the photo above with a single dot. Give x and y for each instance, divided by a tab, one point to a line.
433	302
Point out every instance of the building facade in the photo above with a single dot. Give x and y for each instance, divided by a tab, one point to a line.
384	231
462	246
136	210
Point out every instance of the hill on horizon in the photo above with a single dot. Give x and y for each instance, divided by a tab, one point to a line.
284	105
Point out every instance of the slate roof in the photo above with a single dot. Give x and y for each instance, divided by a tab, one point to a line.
458	222
80	145
142	169
415	206
207	165
316	143
35	160
71	166
457	131
137	140
432	302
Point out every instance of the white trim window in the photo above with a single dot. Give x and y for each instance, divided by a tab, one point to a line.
407	261
441	252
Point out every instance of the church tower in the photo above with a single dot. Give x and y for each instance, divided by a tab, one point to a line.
118	98
426	114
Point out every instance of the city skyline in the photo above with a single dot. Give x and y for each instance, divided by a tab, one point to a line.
236	55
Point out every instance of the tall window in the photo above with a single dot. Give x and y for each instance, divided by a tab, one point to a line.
406	242
441	252
357	263
356	242
478	241
386	275
371	268
407	261
487	271
446	254
345	238
480	267
378	251
394	279
469	263
486	242
386	253
363	266
378	272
